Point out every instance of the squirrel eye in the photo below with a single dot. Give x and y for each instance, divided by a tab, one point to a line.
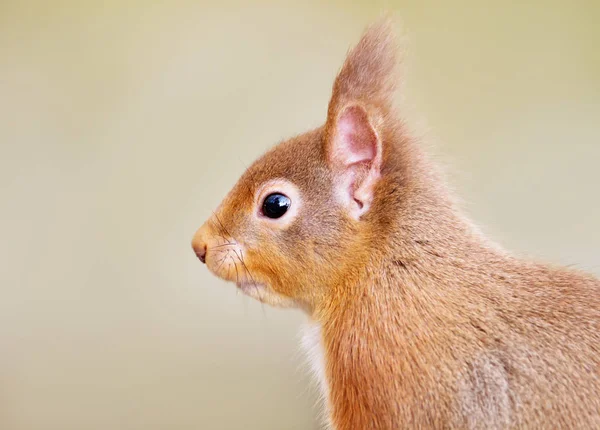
275	205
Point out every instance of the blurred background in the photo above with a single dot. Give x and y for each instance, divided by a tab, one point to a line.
123	123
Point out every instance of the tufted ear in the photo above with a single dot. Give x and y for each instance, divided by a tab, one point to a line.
361	98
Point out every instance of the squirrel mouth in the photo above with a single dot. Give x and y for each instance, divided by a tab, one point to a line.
254	290
248	287
264	294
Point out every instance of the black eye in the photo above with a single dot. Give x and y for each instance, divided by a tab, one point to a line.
275	205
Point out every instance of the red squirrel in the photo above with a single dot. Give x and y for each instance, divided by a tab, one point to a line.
418	320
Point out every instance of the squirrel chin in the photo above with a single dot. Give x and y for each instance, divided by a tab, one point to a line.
266	295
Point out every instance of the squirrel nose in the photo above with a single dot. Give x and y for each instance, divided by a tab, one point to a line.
201	252
199	247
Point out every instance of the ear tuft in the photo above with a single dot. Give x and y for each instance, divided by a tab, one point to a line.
370	72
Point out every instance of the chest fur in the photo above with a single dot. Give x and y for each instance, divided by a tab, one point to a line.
312	344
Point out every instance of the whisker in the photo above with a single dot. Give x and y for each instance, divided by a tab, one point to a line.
223	245
222	226
241	258
237	275
220	229
221	262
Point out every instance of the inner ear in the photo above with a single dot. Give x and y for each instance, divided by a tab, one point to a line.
355	140
354	153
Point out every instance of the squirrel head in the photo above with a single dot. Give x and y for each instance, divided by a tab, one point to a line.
309	212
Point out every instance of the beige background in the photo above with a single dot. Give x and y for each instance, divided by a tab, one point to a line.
123	123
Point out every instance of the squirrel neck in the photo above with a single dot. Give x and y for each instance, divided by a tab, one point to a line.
420	274
415	242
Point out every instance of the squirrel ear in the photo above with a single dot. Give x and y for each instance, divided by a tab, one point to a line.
354	156
369	74
361	98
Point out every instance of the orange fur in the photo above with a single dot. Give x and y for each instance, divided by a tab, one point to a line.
424	322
